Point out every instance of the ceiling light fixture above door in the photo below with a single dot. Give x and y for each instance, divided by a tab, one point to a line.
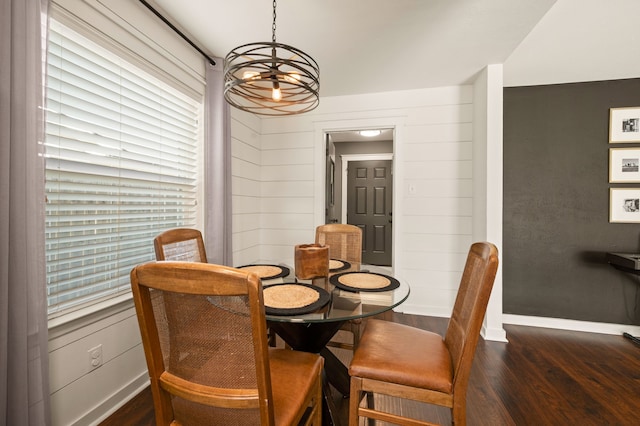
271	78
369	133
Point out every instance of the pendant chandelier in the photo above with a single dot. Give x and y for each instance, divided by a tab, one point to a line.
271	78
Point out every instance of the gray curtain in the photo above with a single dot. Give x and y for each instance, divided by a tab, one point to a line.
24	370
217	184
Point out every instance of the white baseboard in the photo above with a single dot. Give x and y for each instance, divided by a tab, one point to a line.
425	311
531	321
115	401
494	334
571	325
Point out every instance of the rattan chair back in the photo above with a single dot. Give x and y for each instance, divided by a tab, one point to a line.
180	244
344	241
204	334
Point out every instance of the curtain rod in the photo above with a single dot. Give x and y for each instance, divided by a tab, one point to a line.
180	33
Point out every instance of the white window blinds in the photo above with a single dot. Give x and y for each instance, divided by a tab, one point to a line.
121	166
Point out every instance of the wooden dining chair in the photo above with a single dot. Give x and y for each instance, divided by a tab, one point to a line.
186	245
410	363
204	336
180	244
345	243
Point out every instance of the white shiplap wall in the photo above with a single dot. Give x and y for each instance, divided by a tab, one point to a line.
432	185
287	193
245	170
437	198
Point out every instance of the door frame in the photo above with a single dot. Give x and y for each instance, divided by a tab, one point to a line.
321	128
360	157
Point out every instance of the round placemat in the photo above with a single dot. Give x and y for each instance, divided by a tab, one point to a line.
267	272
364	281
293	298
336	265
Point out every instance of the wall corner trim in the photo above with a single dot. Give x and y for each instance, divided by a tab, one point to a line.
494	334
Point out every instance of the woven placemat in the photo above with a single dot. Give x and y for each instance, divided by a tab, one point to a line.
267	272
289	296
293	298
338	265
364	281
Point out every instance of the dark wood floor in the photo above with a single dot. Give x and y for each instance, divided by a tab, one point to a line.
541	377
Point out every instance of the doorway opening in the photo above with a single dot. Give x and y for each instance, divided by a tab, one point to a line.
359	188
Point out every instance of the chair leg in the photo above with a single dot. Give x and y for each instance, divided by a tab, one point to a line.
317	420
355	329
354	400
271	338
370	405
328	406
459	414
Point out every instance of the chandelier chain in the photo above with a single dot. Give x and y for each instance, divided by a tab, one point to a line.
273	27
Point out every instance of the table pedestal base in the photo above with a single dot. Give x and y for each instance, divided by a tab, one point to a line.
313	337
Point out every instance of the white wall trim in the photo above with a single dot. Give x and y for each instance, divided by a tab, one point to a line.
532	321
324	127
570	325
81	318
487	181
115	401
426	311
493	334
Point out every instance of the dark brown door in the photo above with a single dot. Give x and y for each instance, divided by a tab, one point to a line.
369	200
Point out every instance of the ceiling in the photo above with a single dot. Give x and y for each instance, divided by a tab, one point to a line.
370	46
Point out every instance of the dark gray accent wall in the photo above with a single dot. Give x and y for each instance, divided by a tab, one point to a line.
556	227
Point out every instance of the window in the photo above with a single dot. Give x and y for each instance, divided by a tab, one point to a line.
121	166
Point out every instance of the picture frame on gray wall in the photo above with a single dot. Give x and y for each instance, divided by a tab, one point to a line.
624	125
624	165
624	205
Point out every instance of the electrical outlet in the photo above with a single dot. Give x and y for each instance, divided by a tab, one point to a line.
95	356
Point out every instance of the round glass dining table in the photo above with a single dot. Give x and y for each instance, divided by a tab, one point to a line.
311	331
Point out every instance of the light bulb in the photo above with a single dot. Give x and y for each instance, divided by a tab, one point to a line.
276	94
251	75
292	77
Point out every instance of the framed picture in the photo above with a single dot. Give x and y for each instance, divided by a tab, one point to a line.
624	205
624	125
624	165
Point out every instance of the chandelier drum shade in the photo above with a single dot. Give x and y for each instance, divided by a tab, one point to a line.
271	78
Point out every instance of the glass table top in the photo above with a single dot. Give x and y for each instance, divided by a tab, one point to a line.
343	304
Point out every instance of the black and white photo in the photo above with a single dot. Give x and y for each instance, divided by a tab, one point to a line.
624	125
624	205
624	165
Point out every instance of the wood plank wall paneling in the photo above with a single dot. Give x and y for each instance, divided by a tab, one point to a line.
434	156
246	199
